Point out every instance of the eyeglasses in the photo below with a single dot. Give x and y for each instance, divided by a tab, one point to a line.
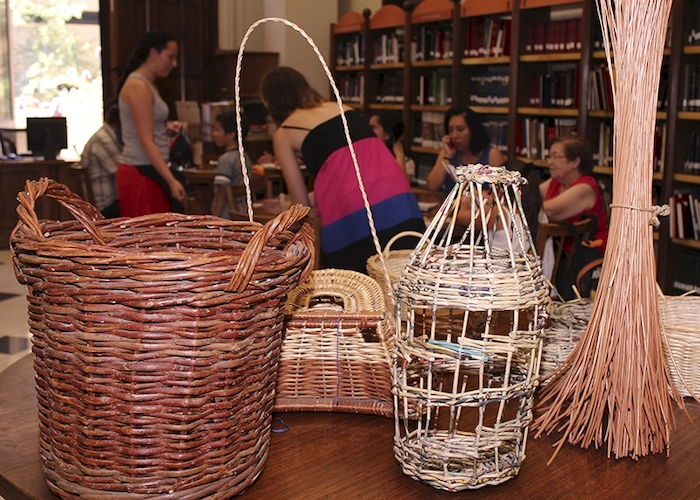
554	157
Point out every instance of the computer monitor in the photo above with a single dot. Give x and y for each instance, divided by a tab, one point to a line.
46	136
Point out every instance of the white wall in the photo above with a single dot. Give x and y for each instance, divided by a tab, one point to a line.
313	16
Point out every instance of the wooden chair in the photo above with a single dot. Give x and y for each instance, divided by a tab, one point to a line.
235	197
558	233
81	181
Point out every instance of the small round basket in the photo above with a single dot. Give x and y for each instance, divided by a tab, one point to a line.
156	343
568	322
395	261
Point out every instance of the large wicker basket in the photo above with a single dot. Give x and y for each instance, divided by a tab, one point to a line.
156	343
336	351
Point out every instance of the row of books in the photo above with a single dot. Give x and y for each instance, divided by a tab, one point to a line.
684	222
489	90
555	89
600	96
431	43
533	135
350	51
694	23
691	165
388	47
487	37
352	88
432	129
602	144
687	271
553	36
497	129
691	88
434	88
390	87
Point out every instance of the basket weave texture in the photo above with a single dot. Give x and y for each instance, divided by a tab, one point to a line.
156	343
336	350
680	317
568	322
470	320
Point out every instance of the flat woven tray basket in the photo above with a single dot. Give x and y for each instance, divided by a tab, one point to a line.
336	350
156	343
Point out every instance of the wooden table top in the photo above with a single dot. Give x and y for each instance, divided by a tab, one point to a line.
348	457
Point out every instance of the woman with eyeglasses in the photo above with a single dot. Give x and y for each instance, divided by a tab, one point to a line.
466	142
571	190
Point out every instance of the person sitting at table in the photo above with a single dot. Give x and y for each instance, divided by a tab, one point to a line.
100	157
466	142
572	191
313	126
228	169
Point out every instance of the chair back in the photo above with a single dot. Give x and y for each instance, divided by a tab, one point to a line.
558	234
81	181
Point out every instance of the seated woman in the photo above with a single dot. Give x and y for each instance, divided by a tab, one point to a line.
572	191
466	142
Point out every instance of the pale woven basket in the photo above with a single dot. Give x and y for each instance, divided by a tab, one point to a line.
395	261
680	318
336	351
470	321
568	322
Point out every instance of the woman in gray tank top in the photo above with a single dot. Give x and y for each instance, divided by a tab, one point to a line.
145	184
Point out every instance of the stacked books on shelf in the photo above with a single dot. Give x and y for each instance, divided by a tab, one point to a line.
434	88
497	129
694	35
691	165
432	129
432	43
388	47
553	36
691	88
533	135
350	51
487	37
557	88
685	210
352	88
687	276
659	146
489	89
600	91
602	146
390	88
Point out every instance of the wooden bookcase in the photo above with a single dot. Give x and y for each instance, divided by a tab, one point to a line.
575	58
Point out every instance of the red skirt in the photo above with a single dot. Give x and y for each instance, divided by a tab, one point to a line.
139	195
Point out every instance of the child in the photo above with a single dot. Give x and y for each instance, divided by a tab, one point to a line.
228	169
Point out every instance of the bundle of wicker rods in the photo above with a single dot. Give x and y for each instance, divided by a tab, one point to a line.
156	343
616	386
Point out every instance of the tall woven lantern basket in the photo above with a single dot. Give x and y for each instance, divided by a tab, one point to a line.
470	319
156	343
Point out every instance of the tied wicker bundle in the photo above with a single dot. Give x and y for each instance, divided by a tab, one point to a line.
616	386
156	343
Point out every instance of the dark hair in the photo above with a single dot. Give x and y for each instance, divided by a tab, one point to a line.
391	122
285	90
576	147
227	119
479	136
530	193
150	40
111	111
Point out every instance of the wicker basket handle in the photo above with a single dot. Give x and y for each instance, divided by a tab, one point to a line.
84	212
398	236
246	265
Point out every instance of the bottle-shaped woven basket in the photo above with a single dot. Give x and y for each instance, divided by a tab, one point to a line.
467	350
156	343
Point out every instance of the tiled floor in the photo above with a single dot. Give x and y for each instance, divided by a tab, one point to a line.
14	333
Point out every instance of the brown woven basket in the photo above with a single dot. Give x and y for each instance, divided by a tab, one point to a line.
680	318
336	351
156	343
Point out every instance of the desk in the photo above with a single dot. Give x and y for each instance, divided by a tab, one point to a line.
347	456
13	176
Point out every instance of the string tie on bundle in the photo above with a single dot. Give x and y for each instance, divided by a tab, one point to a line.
655	210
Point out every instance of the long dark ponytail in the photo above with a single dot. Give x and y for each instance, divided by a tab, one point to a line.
150	40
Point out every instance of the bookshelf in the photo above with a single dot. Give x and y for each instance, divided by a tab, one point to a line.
573	56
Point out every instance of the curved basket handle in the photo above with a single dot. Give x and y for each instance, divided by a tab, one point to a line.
84	212
398	236
246	265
